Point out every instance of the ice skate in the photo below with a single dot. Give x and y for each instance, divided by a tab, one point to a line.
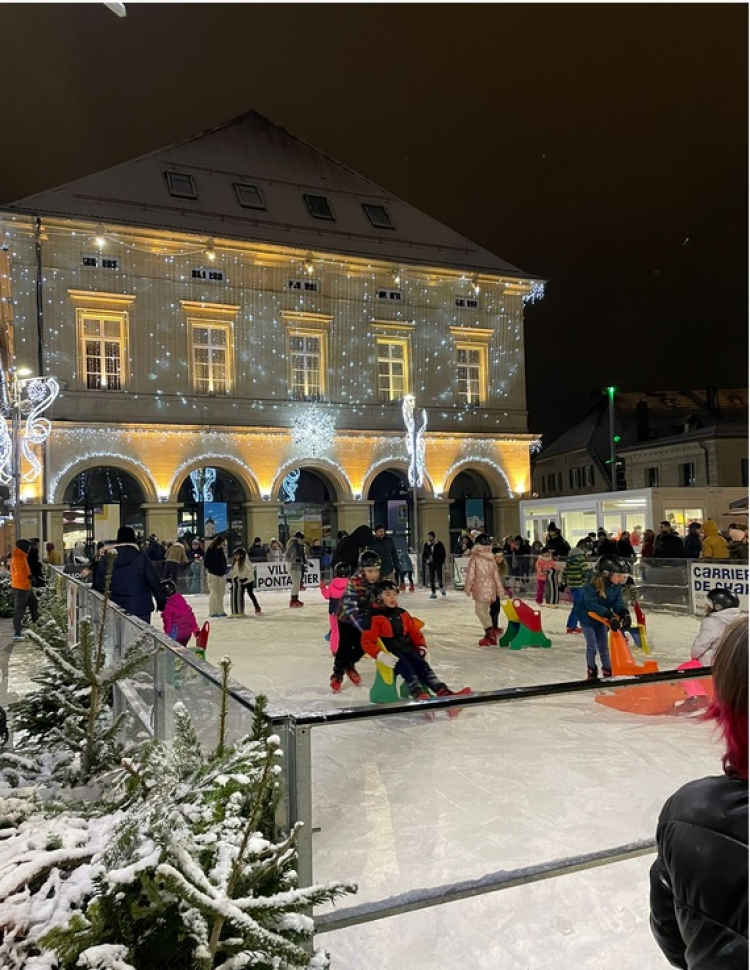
489	639
353	675
336	683
691	706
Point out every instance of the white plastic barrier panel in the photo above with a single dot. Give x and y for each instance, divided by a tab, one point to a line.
275	575
460	565
705	576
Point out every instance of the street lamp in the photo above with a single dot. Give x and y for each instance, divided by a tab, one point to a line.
415	450
612	439
28	397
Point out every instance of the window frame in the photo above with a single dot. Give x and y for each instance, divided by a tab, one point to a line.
403	342
311	203
319	335
191	196
653	480
99	305
482	350
239	187
211	324
120	317
388	224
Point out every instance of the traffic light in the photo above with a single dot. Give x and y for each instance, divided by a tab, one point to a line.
617	439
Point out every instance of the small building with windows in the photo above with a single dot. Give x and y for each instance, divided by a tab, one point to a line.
234	322
680	456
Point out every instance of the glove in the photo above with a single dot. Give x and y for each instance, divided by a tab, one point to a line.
614	624
422	651
625	621
387	659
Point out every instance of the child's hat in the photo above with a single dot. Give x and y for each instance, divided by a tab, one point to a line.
383	586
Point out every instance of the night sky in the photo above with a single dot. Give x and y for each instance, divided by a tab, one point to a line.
601	147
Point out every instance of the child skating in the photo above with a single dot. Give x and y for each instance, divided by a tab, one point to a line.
333	592
242	580
177	616
545	565
602	594
484	585
574	577
405	647
353	618
505	578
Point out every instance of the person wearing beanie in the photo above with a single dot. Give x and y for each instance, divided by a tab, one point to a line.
135	584
21	584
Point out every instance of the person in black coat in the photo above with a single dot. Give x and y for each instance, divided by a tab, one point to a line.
350	545
699	881
385	547
624	546
668	544
558	546
135	584
692	544
433	555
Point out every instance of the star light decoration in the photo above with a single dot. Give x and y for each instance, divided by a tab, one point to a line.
313	432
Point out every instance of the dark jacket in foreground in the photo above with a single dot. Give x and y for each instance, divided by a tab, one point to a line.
134	581
349	548
699	884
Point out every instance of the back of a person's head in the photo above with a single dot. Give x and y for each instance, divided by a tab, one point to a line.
729	709
24	545
125	534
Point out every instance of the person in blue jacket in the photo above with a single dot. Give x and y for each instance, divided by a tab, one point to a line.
602	594
135	584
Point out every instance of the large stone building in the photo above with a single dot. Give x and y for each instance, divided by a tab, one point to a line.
234	322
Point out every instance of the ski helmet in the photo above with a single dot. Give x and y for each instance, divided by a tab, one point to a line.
609	565
342	570
482	539
369	559
169	587
722	599
383	586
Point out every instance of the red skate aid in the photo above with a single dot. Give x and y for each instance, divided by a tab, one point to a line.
530	633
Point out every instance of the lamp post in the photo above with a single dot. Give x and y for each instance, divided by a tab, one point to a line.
29	397
612	451
415	450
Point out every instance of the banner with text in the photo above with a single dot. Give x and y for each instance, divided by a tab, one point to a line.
275	575
705	576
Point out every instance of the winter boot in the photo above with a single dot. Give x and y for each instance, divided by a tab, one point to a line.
592	673
489	639
606	671
353	675
295	602
411	587
402	587
496	631
442	592
335	683
258	610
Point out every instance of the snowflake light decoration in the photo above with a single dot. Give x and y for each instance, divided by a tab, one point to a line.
535	293
313	432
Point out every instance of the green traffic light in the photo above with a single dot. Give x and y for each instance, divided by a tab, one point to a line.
617	438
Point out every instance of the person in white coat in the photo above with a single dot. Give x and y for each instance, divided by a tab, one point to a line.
722	610
484	585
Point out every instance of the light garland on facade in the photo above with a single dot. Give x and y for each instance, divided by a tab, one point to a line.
466	465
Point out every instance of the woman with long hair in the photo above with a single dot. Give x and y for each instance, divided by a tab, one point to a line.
215	564
699	888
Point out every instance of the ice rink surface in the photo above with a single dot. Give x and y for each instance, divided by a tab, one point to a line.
404	802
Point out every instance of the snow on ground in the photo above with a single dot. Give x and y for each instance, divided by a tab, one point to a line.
403	802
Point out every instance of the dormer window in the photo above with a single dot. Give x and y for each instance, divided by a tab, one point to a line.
181	186
249	196
378	216
318	207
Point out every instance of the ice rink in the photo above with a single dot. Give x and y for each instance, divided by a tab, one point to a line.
404	803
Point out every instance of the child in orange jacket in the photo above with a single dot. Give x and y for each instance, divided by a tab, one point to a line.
405	647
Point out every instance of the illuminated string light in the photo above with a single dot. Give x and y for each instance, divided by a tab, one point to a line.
313	431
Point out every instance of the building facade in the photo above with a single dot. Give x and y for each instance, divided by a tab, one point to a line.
234	322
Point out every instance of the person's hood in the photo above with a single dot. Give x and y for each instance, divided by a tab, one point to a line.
484	552
126	553
710	528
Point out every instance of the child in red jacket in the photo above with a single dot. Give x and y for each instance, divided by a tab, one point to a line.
333	593
405	647
177	616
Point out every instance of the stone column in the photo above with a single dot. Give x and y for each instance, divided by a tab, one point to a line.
261	519
505	517
29	521
351	514
53	527
434	516
161	519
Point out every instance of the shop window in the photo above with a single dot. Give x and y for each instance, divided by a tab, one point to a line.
392	369
686	473
652	477
211	357
471	371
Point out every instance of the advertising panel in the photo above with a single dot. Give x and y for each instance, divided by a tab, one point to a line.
705	576
274	575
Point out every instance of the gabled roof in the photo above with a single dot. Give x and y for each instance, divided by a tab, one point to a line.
253	151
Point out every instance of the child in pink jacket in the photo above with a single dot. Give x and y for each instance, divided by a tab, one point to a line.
177	616
544	565
484	585
333	593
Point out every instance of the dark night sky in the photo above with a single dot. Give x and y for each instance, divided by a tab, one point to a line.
602	147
